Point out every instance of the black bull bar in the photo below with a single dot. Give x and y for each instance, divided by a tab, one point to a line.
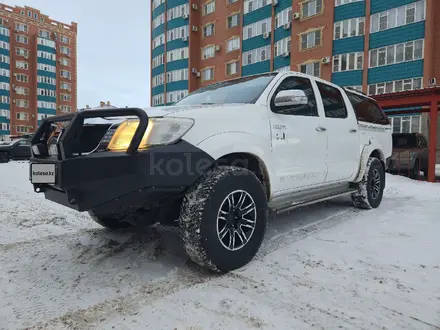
70	137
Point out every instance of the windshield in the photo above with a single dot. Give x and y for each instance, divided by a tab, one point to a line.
405	141
242	90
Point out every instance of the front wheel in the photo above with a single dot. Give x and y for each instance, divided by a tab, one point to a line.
223	218
370	189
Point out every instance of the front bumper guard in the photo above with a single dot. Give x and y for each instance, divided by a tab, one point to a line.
112	179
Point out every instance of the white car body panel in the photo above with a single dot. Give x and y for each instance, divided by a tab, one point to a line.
294	153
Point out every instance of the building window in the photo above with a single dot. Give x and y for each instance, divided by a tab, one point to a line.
313	69
46	80
46	92
177	54
176	12
5	113
44	34
256	55
65	40
22	65
5	73
4	59
21	39
311	39
157	3
282	46
22	78
209	30
65	61
399	16
46	55
284	68
22	103
395	86
159	20
251	5
404	52
158	41
22	115
65	86
311	8
46	42
22	129
208	7
232	68
233	20
349	28
177	33
283	17
257	28
233	44
4	127
230	2
4	31
348	62
158	99
65	50
208	74
344	2
20	90
208	52
177	75
65	108
406	124
20	27
158	80
65	74
22	52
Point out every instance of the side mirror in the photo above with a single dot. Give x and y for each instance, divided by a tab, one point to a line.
290	98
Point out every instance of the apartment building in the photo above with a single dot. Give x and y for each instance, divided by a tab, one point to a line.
37	69
375	46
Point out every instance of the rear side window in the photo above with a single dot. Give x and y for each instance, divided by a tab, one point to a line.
367	109
334	105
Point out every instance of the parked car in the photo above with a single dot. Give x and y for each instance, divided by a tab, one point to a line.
219	160
15	150
410	155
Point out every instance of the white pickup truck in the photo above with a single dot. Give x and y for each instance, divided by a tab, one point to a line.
217	162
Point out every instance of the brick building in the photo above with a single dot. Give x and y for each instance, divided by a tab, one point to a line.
38	74
376	46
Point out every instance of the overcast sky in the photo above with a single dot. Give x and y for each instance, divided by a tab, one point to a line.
113	47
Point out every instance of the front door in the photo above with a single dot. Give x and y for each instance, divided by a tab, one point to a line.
299	144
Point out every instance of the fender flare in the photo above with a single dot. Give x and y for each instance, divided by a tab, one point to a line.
365	155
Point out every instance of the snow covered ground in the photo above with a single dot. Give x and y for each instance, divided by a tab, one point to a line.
328	266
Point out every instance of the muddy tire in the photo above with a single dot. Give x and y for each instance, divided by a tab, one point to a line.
108	221
370	189
4	157
223	219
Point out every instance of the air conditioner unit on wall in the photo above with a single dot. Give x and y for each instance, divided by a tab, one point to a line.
274	2
185	16
217	48
194	6
286	54
325	60
195	28
286	26
266	35
296	15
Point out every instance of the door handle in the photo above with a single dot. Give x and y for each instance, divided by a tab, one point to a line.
353	130
321	129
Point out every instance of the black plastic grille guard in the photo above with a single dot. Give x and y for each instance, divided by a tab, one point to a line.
71	136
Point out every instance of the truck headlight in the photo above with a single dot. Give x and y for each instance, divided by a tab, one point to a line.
160	131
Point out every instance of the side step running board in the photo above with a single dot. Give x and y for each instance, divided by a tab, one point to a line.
309	202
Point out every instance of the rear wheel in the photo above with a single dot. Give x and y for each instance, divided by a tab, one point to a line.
4	157
223	219
370	189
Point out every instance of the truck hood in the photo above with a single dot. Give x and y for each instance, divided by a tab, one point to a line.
183	110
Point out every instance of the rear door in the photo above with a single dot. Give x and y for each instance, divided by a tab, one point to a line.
298	142
343	149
